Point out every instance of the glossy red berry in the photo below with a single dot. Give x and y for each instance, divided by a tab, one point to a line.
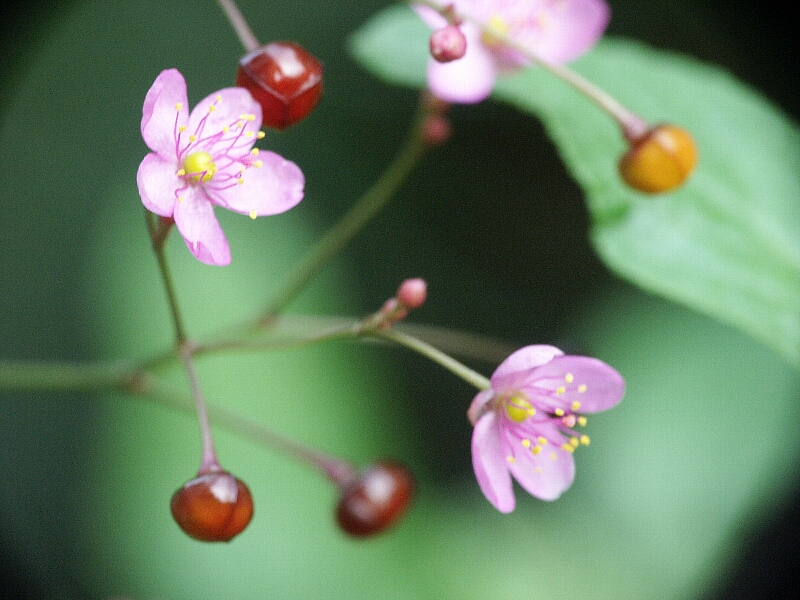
375	500
213	507
285	79
660	160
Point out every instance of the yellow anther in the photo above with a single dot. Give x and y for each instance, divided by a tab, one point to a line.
253	215
218	98
180	198
248	134
226	129
568	448
260	135
542	440
581	388
510	459
240	181
536	450
182	128
258	164
576	406
574	442
559	412
192	138
568	378
526	443
178	106
538	470
254	151
560	390
251	117
582	421
585	440
181	172
212	108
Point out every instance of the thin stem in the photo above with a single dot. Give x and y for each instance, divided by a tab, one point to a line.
209	461
340	472
239	24
436	355
158	248
373	200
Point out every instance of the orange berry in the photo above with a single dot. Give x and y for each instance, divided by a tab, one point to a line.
213	507
285	79
375	500
660	160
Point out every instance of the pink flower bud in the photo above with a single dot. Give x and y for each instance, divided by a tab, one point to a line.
412	293
448	44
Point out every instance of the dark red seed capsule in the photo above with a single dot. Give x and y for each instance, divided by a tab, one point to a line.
213	507
285	79
375	500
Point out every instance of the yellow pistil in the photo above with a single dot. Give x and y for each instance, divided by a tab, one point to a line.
494	29
518	408
200	167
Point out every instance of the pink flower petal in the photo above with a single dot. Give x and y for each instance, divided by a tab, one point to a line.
431	17
546	475
229	104
518	367
490	464
568	30
158	112
158	184
478	406
469	79
273	188
195	219
586	380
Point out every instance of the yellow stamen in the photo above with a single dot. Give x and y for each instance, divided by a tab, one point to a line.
260	135
560	390
581	388
559	412
576	406
568	448
568	378
510	459
582	421
178	106
574	442
585	440
526	443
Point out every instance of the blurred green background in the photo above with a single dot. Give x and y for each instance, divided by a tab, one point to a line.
679	478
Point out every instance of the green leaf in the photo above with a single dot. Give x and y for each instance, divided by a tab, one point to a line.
727	243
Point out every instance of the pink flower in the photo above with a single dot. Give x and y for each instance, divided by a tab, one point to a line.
525	424
207	158
556	31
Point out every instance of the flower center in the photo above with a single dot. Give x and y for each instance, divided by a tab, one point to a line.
518	408
199	167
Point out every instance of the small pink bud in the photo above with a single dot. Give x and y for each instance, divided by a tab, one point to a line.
412	293
448	44
436	130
